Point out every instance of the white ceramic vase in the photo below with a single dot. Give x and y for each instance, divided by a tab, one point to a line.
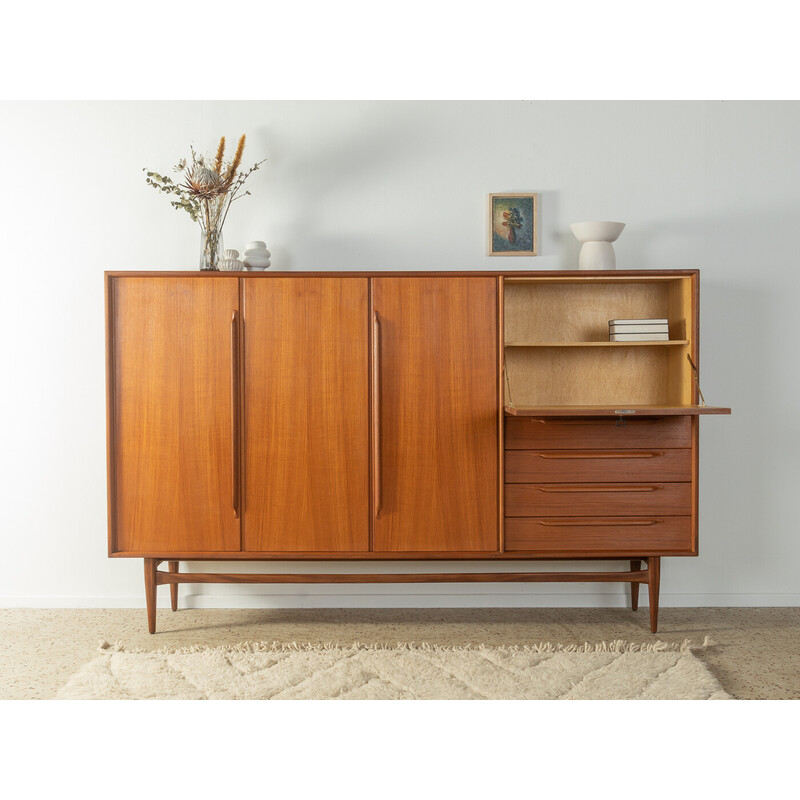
597	251
256	256
231	262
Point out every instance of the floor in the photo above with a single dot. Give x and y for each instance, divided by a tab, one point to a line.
756	654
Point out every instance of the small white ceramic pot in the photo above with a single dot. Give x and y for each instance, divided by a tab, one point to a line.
231	262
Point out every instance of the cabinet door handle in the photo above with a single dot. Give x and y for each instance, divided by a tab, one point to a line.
235	411
631	523
376	415
572	489
617	454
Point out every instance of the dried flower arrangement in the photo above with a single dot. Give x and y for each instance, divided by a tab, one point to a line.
206	194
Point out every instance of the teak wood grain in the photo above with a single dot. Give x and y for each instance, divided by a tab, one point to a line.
438	406
511	276
587	499
653	588
584	433
609	536
306	415
362	416
552	466
162	578
172	424
174	567
501	417
636	566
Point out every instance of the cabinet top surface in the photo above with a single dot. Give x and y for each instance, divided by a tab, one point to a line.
603	275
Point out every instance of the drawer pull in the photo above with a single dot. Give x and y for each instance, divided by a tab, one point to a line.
611	421
626	524
578	454
574	489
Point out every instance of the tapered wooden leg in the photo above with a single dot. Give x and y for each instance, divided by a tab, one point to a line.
653	583
636	565
173	587
150	565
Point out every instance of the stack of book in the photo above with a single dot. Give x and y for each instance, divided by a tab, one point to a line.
638	330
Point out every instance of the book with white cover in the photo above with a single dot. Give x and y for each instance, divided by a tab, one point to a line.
638	325
639	337
638	329
638	321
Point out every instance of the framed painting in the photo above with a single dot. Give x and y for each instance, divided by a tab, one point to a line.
513	221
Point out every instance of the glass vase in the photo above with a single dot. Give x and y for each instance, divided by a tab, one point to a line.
211	218
211	249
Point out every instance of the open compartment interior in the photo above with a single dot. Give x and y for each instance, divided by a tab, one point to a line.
558	353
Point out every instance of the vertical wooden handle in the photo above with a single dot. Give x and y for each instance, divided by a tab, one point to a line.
376	415
235	411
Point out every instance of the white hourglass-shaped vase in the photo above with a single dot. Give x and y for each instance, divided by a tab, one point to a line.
597	252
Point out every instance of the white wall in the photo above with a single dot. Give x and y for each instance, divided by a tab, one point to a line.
400	185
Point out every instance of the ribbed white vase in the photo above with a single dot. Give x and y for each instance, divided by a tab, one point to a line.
231	262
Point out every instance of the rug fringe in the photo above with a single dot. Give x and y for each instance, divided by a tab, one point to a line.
613	646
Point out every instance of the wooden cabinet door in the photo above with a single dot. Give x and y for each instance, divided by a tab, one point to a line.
171	387
435	409
306	415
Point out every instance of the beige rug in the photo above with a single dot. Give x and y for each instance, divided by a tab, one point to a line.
261	671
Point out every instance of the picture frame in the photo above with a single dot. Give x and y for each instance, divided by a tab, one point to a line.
513	224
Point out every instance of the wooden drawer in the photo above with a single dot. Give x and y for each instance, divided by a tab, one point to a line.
549	466
650	535
560	433
590	499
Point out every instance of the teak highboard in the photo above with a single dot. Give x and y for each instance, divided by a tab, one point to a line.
388	416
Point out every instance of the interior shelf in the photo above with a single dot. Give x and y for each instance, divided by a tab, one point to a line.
668	343
613	411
